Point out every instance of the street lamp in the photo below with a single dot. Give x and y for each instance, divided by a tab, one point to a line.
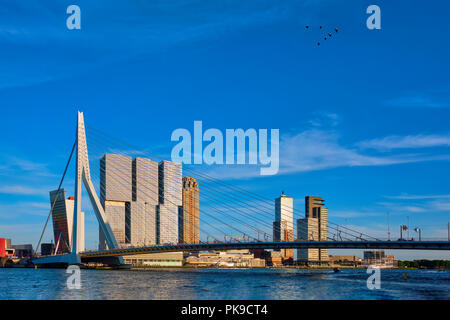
420	233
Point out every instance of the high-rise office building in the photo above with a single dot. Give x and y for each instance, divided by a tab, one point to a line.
129	194
307	229
141	199
284	223
314	227
116	196
170	183
166	224
145	181
142	224
62	217
323	232
62	221
188	219
116	178
311	203
142	215
170	199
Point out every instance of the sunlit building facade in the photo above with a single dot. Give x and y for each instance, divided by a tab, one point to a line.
314	227
283	226
62	218
188	218
170	199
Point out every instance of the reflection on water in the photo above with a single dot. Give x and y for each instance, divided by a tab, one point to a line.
223	284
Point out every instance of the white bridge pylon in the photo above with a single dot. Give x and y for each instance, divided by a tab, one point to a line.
83	176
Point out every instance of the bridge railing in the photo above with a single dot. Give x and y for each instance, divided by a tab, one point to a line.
430	239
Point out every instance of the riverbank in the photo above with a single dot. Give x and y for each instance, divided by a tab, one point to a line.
245	268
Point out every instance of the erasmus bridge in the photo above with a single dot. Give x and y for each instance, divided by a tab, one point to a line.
225	210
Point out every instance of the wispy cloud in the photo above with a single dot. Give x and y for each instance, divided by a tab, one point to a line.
12	165
440	205
406	142
315	149
325	119
417	203
419	197
117	31
318	150
20	209
22	190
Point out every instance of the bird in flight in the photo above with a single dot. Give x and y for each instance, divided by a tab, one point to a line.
326	35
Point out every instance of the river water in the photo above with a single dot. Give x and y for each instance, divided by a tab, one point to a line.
223	284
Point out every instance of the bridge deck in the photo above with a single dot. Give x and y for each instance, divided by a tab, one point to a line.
403	245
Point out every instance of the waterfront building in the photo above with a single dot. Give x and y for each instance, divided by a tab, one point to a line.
142	224
23	250
164	259
307	229
142	214
322	214
345	260
230	259
6	249
188	218
379	258
170	183
145	181
275	259
116	196
116	178
283	229
167	224
314	227
170	199
141	199
47	249
62	217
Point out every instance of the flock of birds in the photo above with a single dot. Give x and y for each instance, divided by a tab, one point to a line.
326	35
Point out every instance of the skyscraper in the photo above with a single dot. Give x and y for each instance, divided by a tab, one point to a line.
307	229
116	195
313	227
145	181
284	222
142	224
141	199
188	218
62	217
145	199
116	178
129	195
170	199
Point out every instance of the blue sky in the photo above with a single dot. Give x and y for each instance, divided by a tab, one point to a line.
363	118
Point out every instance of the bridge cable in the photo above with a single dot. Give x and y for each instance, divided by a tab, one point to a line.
56	197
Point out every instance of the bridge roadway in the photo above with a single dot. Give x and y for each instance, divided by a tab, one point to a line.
401	245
